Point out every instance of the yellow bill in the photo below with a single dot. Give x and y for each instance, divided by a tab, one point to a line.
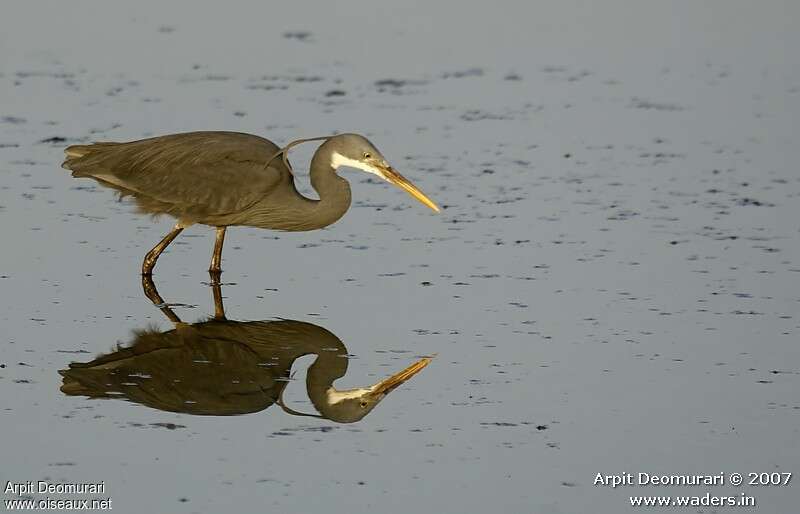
391	175
394	381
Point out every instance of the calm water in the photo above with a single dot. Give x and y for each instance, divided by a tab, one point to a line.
611	287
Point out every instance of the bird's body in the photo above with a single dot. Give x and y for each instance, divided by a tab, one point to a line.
215	367
212	178
222	367
227	179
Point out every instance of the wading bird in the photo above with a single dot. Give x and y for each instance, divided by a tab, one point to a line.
222	367
224	179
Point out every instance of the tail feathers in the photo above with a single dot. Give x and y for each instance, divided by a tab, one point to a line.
83	384
72	386
76	152
83	150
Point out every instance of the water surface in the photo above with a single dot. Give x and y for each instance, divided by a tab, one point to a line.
612	285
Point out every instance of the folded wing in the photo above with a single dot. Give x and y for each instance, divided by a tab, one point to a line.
191	176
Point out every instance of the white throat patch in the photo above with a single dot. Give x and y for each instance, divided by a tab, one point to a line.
333	396
338	160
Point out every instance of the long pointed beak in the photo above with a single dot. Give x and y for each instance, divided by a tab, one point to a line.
391	175
393	382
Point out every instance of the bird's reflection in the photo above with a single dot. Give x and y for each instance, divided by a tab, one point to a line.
222	367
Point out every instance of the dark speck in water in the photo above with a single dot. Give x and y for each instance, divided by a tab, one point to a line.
638	103
391	83
168	426
13	120
298	35
54	139
472	72
754	202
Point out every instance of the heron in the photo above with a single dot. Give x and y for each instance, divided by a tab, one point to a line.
221	367
224	179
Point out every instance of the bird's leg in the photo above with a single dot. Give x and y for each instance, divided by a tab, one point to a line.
152	256
219	308
151	293
216	258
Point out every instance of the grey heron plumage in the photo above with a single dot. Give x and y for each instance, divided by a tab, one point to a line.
222	367
224	179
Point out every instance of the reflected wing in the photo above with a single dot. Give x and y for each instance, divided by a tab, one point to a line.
202	173
180	370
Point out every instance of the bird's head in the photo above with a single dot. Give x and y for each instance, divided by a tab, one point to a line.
356	151
351	405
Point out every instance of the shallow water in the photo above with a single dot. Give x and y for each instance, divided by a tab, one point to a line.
612	285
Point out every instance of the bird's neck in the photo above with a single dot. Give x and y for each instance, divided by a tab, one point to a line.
290	340
333	191
330	365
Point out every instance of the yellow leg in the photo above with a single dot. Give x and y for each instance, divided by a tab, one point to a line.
152	256
216	258
219	308
151	293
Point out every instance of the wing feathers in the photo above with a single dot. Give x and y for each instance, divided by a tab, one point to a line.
193	176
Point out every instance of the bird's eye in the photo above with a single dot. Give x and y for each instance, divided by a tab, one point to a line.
367	155
363	404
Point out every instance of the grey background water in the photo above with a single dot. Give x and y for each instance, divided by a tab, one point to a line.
611	287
